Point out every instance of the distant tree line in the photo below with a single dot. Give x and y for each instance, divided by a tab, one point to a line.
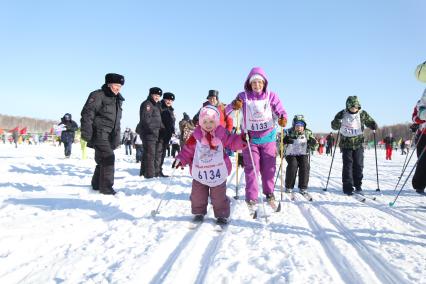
33	125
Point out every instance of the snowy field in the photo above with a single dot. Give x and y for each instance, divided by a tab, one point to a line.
55	229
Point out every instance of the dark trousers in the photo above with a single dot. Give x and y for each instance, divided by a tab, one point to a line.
128	147
149	157
175	150
353	165
162	147
419	178
328	150
67	149
103	178
295	163
139	151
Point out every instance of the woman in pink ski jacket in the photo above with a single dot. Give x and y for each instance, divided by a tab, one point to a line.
260	109
208	164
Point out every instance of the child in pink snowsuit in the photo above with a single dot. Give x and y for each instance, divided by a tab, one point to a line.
259	107
208	164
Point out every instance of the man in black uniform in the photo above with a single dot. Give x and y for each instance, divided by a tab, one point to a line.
100	127
69	127
149	128
168	119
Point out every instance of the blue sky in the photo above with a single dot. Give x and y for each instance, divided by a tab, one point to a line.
316	53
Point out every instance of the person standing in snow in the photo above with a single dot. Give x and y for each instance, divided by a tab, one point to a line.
419	118
351	123
330	143
298	141
168	119
209	166
137	142
127	140
100	127
149	130
389	141
259	107
69	127
175	145
186	127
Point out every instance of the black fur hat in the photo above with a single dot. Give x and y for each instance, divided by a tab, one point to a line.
155	91
169	96
112	78
213	93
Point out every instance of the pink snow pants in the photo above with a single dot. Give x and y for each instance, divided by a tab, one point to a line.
264	156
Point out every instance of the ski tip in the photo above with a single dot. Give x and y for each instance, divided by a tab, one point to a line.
279	207
255	215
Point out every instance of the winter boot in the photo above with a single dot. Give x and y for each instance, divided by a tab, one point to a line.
222	221
198	218
270	198
288	190
108	191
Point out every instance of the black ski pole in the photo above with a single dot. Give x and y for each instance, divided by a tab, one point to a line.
406	163
375	154
415	165
332	159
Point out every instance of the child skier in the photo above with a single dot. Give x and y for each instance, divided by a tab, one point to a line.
209	165
351	123
299	140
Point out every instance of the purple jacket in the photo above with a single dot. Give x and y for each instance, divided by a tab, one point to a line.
231	141
274	100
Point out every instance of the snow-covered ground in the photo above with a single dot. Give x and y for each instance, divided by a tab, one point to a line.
55	229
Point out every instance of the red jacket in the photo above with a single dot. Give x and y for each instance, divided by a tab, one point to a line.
417	120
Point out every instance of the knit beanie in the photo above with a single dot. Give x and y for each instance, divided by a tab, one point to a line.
209	112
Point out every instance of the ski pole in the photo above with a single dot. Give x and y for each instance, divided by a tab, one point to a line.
156	211
415	165
236	160
282	159
332	159
375	154
255	173
406	164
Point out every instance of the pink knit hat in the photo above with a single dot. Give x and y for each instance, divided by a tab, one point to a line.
209	112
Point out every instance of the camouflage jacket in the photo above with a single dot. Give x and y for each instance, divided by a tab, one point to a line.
312	142
356	141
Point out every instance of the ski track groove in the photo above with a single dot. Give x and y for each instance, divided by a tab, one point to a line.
207	258
339	261
385	271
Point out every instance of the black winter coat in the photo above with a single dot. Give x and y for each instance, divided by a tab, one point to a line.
68	134
100	118
168	118
149	120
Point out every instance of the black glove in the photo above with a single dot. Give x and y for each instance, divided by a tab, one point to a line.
288	140
244	136
414	127
312	142
374	126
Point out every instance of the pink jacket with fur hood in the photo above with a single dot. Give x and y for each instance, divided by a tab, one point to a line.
231	141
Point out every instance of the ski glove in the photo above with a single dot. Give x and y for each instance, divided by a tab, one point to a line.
244	137
237	104
374	126
312	142
282	121
414	127
288	140
177	164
